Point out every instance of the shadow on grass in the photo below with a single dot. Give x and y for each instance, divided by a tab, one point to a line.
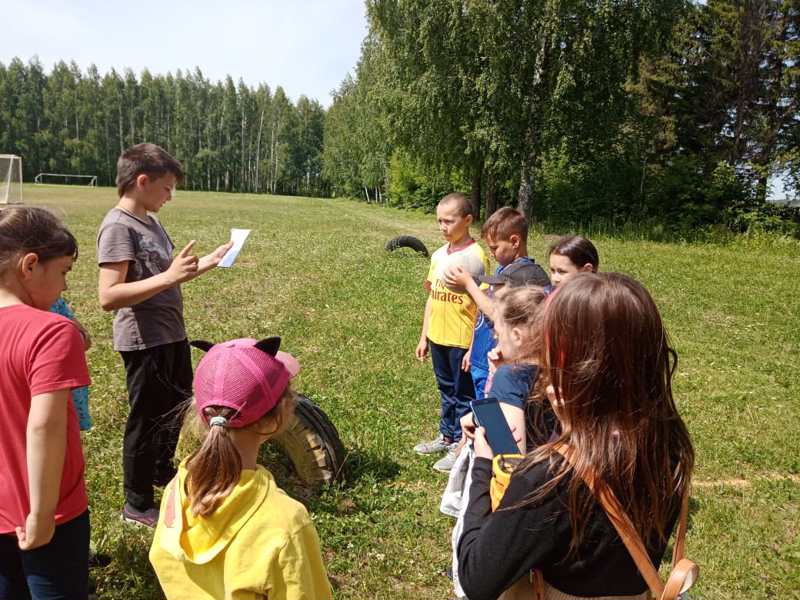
128	568
362	464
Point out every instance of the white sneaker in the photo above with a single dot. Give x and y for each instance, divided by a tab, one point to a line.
446	463
432	447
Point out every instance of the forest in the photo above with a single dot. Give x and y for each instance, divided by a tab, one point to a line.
665	112
230	137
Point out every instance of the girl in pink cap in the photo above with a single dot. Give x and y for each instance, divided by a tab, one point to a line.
226	530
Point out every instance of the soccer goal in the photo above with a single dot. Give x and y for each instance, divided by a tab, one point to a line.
90	180
10	179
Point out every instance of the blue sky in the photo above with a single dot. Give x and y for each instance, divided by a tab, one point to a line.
306	46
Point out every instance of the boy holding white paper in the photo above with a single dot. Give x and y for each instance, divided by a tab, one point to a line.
140	281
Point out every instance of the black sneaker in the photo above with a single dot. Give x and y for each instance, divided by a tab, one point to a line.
147	518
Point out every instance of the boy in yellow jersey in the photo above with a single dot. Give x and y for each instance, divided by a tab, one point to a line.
449	320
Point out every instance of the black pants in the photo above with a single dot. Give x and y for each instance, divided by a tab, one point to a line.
159	380
59	570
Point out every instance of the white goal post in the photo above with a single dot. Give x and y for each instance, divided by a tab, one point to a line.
66	178
10	179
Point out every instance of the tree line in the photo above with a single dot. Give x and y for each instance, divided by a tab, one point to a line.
666	110
670	111
230	137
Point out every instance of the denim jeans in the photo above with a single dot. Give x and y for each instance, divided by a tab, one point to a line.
58	570
455	387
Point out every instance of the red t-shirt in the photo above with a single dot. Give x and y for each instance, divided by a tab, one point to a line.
39	352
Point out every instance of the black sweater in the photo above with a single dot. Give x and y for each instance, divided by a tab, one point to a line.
498	548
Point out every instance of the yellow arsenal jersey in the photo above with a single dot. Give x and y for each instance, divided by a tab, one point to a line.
453	314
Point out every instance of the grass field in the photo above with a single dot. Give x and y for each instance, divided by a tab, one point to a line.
315	272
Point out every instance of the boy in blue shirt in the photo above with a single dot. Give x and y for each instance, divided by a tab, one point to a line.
506	235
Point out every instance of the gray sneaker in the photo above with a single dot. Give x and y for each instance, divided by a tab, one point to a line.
432	447
444	464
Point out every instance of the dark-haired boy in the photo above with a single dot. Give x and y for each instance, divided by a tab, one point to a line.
506	235
140	280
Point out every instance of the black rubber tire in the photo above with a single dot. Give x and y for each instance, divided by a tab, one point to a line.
312	444
407	241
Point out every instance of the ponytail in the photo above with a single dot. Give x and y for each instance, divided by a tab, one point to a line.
213	469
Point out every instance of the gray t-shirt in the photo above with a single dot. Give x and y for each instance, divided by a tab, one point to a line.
144	243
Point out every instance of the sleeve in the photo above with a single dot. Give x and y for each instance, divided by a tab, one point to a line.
510	386
114	244
496	549
431	274
57	359
487	268
302	574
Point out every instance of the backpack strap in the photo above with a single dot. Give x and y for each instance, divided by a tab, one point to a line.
627	533
684	572
680	535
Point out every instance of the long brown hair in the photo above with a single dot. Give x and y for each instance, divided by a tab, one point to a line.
214	469
607	355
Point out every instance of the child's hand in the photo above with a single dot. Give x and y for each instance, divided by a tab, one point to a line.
422	350
481	446
456	276
218	254
468	425
210	261
495	358
465	362
38	531
184	265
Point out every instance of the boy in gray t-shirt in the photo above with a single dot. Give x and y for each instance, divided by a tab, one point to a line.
140	280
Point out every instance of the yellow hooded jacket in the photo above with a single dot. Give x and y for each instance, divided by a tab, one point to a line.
258	543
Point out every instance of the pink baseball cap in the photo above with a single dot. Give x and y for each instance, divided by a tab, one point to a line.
246	375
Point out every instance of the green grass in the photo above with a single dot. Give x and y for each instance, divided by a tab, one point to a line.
315	272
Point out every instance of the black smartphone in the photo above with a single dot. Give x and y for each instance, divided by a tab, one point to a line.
489	415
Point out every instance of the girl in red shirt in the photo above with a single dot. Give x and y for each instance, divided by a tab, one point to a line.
44	517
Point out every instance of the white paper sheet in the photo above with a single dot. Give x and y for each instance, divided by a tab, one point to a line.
238	236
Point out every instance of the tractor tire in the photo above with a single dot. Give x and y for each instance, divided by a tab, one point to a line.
407	241
312	444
